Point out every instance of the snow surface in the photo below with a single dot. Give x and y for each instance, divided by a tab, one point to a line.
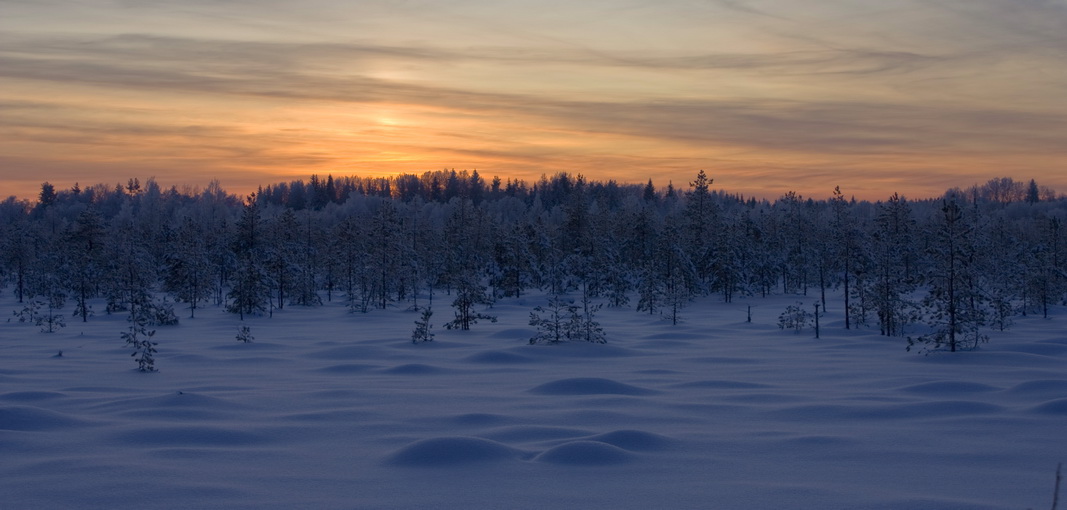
328	409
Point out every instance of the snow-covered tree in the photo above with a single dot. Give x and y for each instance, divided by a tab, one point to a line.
139	337
470	293
130	270
84	245
554	322
422	331
585	327
188	273
249	283
700	236
891	258
952	306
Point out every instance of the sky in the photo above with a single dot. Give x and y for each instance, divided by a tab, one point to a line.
766	96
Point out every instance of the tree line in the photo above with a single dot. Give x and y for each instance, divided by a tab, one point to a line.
940	270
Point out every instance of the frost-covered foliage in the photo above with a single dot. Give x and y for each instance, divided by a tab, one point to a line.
562	320
404	241
139	337
795	317
159	312
422	331
470	293
244	335
554	322
38	313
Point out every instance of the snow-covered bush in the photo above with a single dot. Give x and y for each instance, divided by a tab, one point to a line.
422	331
554	322
139	337
244	335
795	317
159	313
562	321
49	321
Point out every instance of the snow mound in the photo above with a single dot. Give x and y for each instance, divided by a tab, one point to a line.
327	416
815	441
344	353
477	419
634	440
1058	406
30	396
1038	348
590	386
532	433
498	358
585	453
942	408
178	405
190	436
232	345
513	334
948	387
582	350
918	410
1050	387
415	369
676	335
723	385
347	368
28	418
447	451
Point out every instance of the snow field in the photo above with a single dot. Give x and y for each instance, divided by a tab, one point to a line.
329	409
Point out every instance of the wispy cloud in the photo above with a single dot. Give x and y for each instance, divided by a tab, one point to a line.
930	91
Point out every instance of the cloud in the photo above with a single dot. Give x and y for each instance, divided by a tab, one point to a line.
765	90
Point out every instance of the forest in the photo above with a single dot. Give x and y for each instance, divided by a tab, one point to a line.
935	272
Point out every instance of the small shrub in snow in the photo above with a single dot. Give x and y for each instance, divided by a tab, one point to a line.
469	294
244	334
585	328
794	317
422	331
159	313
554	323
563	321
139	337
943	339
48	321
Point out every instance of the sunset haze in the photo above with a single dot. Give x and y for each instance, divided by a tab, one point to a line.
766	96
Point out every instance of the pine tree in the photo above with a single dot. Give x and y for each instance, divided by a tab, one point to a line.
45	284
280	252
848	245
585	328
700	228
555	323
139	337
422	331
16	247
891	261
1045	278
470	293
386	245
650	290
249	284
952	306
305	282
244	335
85	246
130	271
188	274
679	275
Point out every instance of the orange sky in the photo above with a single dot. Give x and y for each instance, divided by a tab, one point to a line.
766	96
